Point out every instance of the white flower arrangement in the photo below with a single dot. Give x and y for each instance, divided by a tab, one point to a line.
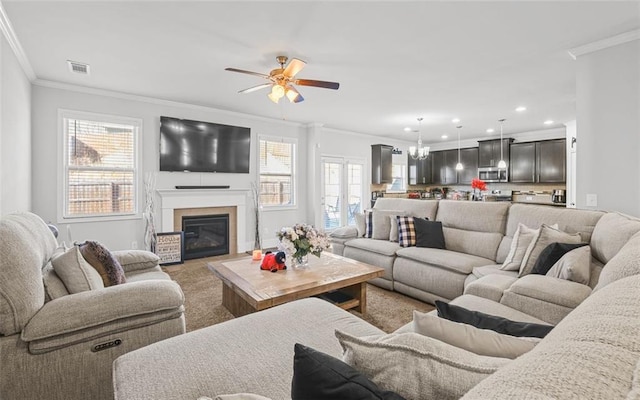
302	239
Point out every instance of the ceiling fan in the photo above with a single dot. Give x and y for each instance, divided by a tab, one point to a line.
282	80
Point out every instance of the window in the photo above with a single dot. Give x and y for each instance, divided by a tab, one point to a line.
399	182
100	171
277	169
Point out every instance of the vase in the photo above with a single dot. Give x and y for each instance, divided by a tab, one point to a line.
300	261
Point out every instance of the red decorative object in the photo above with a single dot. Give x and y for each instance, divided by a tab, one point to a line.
478	184
273	261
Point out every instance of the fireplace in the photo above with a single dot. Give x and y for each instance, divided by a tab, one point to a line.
205	235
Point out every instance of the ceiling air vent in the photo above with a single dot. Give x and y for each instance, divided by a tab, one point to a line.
78	67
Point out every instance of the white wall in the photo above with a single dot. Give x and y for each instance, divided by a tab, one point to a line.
48	98
15	133
608	127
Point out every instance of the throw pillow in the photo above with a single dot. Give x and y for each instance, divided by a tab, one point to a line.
134	260
574	266
484	342
393	233
76	274
360	224
415	366
382	224
236	396
486	321
551	254
429	233
547	235
319	376
368	223
521	240
103	261
406	231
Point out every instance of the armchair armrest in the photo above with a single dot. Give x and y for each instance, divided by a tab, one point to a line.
544	297
82	316
345	232
135	260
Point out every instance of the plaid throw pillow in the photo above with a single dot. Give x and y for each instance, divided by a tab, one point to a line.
406	231
368	223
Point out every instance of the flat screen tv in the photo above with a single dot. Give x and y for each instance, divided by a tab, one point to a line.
197	146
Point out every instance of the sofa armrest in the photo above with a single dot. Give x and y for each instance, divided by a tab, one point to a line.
86	314
136	260
552	290
549	299
344	232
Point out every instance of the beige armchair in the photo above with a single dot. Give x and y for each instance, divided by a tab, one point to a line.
56	345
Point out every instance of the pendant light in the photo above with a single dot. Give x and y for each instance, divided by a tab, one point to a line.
501	164
459	166
419	152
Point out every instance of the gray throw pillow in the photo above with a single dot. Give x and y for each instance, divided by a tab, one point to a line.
76	273
547	235
574	266
382	223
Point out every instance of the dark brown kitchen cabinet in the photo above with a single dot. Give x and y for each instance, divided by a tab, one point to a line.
523	162
419	171
551	161
489	152
538	162
444	167
381	163
469	160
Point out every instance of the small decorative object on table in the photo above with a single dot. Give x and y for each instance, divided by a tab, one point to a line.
478	186
300	240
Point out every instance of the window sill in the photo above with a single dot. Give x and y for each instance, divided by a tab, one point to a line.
278	208
94	218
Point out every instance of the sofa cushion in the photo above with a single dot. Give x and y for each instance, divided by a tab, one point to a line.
554	252
135	260
104	262
591	354
416	366
474	216
485	270
412	207
471	302
488	321
429	233
383	247
551	290
459	262
76	274
483	342
611	232
481	244
545	237
329	378
490	286
573	266
625	263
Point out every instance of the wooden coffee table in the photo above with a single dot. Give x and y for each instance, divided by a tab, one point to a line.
246	288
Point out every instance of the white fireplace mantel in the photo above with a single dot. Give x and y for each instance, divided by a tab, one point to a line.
171	199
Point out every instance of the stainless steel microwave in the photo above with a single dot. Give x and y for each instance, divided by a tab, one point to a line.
493	174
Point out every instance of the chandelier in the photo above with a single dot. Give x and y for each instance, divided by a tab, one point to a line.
419	152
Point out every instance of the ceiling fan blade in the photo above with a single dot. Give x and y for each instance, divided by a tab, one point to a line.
254	88
321	84
294	67
292	93
242	71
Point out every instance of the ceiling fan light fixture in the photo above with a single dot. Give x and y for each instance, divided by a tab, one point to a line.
277	92
291	94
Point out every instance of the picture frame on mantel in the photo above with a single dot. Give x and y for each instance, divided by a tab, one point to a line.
170	247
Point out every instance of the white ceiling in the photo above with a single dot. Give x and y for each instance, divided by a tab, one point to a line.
395	60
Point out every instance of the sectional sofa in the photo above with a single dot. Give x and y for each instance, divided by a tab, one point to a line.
593	351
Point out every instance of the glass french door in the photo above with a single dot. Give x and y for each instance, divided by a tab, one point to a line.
342	191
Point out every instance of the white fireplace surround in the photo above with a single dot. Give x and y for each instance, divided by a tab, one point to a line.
172	199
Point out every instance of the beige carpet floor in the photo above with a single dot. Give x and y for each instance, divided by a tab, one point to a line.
203	299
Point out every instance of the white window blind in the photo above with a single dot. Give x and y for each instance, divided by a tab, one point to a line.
100	168
277	173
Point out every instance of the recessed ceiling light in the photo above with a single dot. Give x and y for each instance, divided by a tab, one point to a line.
490	130
455	120
407	129
548	122
444	136
521	109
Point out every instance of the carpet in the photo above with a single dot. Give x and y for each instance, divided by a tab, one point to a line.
203	299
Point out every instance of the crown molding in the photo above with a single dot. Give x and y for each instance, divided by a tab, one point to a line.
10	35
604	43
156	101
